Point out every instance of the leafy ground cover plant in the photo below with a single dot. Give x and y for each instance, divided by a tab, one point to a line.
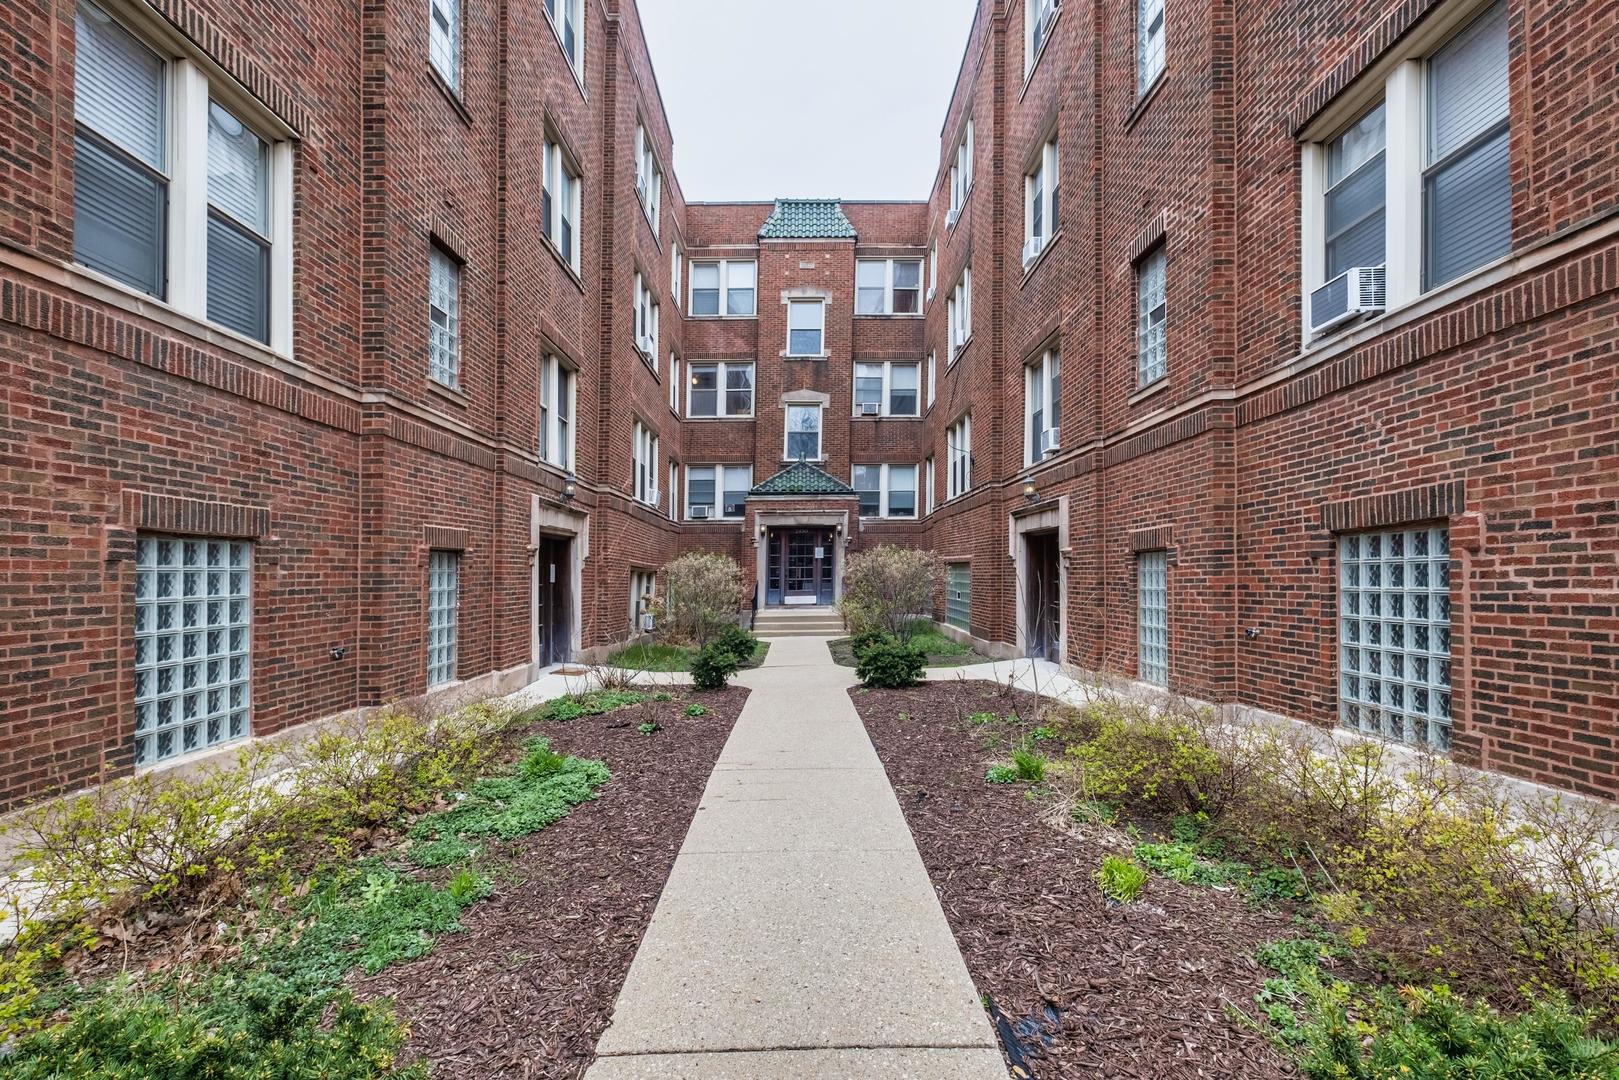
590	703
1121	879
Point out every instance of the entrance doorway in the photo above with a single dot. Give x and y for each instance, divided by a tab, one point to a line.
1042	596
553	600
800	567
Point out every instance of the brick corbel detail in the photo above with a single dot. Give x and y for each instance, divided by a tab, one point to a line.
439	538
1157	538
1431	503
145	511
1149	237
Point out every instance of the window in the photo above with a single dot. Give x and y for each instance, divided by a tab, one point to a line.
806	322
1042	406
674	491
643	583
193	641
1152	617
646	321
1394	612
961	175
929	483
674	383
444	40
443	615
958	595
959	315
1040	203
444	318
885	490
718	491
803	433
933	376
1355	195
1466	186
557	389
674	272
648	177
646	465
723	287
886	388
959	456
888	286
566	20
1151	355
1038	15
560	203
1149	44
203	226
721	389
933	269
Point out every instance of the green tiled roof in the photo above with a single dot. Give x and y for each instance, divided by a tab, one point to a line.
802	478
807	219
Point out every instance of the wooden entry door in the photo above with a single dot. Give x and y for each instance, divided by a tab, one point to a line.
800	567
553	596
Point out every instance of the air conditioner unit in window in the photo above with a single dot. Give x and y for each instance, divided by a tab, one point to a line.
646	622
640	186
654	497
701	513
1360	290
1048	441
645	344
870	408
952	217
931	291
1032	249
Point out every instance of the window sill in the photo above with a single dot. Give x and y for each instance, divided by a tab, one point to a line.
806	356
451	95
1145	100
723	318
453	394
885	416
1039	260
1152	389
573	274
646	215
888	315
84	280
713	520
718	419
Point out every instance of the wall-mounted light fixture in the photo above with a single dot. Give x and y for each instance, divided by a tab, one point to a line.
1029	491
570	486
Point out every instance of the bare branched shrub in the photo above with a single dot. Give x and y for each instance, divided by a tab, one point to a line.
702	594
886	587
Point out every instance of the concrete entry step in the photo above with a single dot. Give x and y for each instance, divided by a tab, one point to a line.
802	622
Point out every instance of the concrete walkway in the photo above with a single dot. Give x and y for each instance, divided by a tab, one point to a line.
798	935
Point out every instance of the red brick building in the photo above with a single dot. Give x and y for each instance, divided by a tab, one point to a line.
352	351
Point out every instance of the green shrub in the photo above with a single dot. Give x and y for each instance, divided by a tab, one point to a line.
1148	758
891	666
1121	879
736	641
713	668
862	642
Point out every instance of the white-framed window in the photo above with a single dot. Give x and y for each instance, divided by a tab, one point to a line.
1407	185
958	595
806	327
885	490
1152	354
674	490
561	202
1152	617
444	40
193	645
888	286
675	263
643	586
443	317
646	321
933	269
646	465
567	19
1149	44
1038	15
933	377
929	484
721	389
803	433
674	383
648	176
443	615
717	491
961	174
887	388
724	287
958	444
1394	634
558	387
959	315
1040	203
1042	406
182	189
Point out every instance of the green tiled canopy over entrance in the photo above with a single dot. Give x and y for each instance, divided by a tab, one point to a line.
802	478
807	219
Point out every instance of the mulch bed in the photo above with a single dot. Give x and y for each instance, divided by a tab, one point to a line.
528	986
1139	990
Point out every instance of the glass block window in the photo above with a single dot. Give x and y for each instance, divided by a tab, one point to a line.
1151	353
1394	626
1152	617
444	319
443	611
958	595
193	613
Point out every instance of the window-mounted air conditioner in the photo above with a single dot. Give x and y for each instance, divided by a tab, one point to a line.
654	497
1360	290
1048	441
701	513
870	408
1032	249
640	186
952	217
645	344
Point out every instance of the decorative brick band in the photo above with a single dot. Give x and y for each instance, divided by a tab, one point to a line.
1379	41
1148	238
1397	508
222	51
149	512
1157	538
1185	427
439	538
448	235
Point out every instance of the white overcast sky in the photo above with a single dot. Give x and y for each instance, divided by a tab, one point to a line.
806	97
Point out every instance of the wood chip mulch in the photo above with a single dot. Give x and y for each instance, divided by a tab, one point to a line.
1138	990
528	986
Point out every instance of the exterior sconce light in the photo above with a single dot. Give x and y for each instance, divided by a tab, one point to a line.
1029	491
570	487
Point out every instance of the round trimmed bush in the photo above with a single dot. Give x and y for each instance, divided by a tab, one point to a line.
713	668
891	665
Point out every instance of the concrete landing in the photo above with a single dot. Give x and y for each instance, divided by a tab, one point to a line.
798	935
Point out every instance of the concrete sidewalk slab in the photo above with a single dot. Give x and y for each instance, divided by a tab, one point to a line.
798	934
